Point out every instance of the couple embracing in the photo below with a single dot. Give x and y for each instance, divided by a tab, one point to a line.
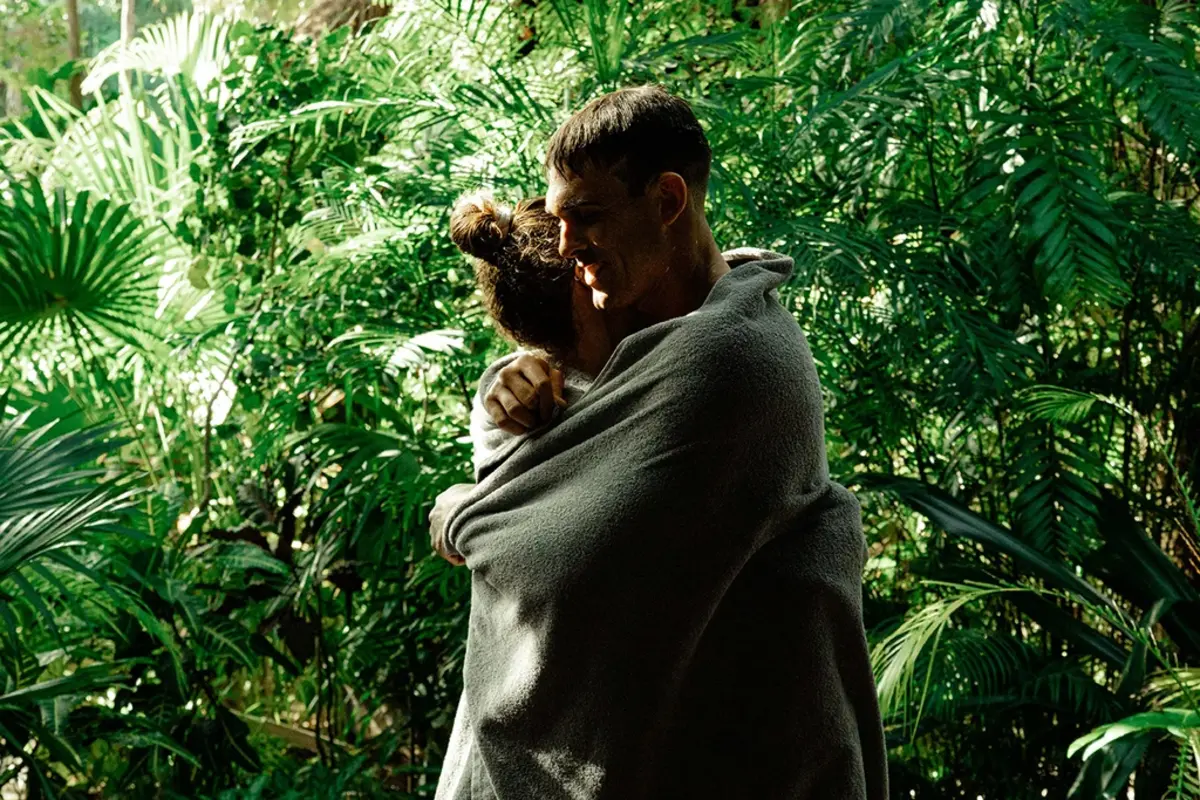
666	590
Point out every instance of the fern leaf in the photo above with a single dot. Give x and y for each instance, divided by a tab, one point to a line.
1062	205
1055	404
1153	63
1057	481
1185	776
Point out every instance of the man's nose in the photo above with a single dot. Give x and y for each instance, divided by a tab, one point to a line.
568	244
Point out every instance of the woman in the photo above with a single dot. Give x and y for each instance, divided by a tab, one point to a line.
536	300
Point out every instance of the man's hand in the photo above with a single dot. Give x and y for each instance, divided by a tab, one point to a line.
524	394
445	504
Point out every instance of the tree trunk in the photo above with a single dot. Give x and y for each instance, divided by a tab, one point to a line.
13	99
74	51
128	21
327	15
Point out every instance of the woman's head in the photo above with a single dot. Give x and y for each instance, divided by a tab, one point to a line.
526	284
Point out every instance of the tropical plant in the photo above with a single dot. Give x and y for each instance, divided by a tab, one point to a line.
75	272
50	506
992	211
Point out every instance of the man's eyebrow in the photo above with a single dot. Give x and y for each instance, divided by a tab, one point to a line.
575	204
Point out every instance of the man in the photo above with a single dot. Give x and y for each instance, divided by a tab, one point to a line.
666	588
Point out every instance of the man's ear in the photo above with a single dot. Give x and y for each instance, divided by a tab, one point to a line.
672	196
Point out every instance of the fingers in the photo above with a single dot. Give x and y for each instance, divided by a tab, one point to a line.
514	409
443	508
443	550
501	418
515	428
536	372
437	537
524	394
557	381
545	391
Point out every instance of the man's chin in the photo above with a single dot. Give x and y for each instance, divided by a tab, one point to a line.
600	299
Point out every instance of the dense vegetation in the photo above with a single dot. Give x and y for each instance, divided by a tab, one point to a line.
236	351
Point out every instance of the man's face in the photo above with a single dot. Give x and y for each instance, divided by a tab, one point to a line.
618	242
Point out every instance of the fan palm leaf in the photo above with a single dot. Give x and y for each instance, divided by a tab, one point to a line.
72	270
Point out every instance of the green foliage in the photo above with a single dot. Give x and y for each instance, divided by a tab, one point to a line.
47	508
72	271
1112	750
236	258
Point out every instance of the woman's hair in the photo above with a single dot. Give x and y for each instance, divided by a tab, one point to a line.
525	283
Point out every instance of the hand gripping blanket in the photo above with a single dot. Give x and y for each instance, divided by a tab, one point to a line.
666	584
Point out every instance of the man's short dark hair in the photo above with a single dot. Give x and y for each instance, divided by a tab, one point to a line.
639	133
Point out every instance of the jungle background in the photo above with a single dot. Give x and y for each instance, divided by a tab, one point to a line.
237	349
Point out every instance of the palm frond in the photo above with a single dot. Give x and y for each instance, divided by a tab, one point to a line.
1172	686
400	350
1057	478
1069	686
416	112
895	659
874	27
1062	201
48	496
1056	404
36	534
135	148
192	44
37	473
1179	722
958	520
73	270
81	681
1149	53
1106	770
973	668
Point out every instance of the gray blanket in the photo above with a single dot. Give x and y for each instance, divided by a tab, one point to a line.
666	585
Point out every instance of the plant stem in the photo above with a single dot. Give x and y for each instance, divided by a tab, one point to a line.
90	364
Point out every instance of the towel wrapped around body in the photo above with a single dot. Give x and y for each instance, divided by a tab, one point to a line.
666	584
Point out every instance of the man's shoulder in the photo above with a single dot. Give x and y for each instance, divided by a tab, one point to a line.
769	338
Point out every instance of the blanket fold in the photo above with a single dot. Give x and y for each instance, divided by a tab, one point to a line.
666	584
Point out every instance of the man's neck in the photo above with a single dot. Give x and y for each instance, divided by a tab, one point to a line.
686	285
595	344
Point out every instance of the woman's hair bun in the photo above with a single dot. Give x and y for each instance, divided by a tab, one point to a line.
480	225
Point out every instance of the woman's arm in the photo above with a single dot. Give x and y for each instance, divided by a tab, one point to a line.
443	507
487	436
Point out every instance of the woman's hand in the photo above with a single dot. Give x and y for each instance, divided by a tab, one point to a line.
524	394
443	507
